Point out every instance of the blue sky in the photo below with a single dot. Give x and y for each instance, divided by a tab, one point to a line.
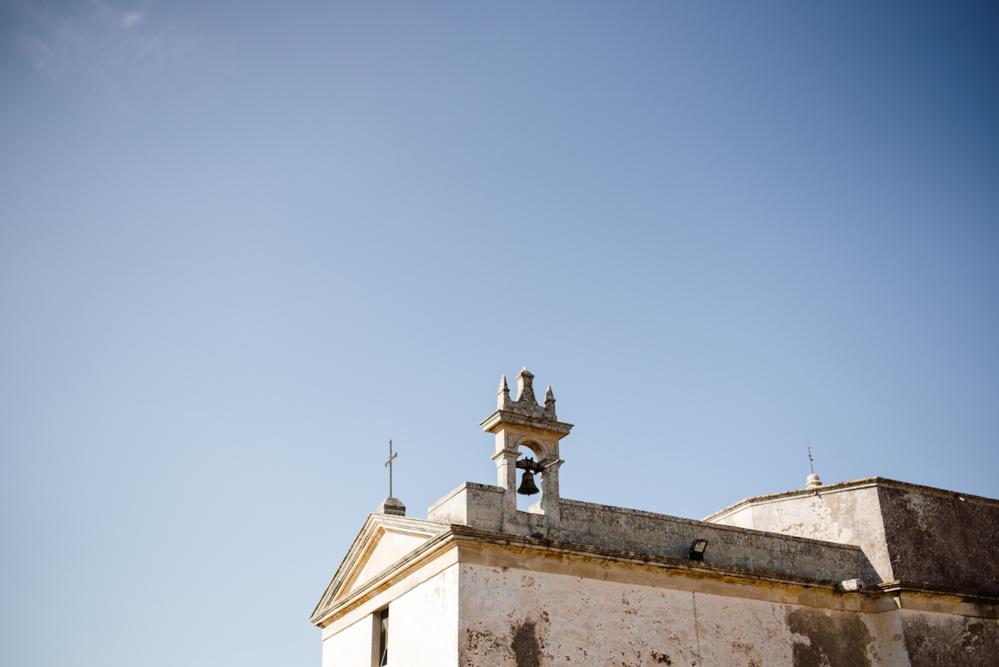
242	245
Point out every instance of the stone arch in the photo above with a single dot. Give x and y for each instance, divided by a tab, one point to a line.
540	451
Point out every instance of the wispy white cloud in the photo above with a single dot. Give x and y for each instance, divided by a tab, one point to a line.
130	19
96	41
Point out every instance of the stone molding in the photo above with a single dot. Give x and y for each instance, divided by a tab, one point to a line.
468	544
511	417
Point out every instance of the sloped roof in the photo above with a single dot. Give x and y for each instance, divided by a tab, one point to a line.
383	541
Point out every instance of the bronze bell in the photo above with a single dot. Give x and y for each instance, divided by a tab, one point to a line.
527	487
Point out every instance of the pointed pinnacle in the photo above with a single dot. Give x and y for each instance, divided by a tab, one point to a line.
503	389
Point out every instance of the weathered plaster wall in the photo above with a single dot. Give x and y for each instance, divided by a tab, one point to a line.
938	538
423	624
351	647
907	532
522	618
955	641
850	516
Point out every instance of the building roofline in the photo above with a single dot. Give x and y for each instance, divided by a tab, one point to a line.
454	536
850	486
705	522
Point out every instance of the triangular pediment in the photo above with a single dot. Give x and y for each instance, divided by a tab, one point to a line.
384	540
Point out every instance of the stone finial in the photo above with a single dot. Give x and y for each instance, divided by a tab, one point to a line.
525	387
503	395
391	506
813	482
525	404
549	409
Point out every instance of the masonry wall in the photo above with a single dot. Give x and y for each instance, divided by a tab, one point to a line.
850	516
661	535
522	618
479	506
907	532
938	538
943	639
471	504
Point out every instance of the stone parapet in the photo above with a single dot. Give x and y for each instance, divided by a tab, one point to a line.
671	537
480	506
471	504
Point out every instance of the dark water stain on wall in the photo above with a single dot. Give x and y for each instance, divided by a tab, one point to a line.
941	538
953	641
833	639
525	645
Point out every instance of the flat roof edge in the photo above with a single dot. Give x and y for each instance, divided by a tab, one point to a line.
849	486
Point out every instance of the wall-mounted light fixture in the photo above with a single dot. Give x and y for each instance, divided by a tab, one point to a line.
697	548
850	586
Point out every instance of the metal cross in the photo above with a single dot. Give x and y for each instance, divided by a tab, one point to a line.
389	464
810	459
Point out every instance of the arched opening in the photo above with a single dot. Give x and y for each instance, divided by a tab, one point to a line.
530	450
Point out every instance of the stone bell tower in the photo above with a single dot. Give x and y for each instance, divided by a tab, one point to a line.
524	423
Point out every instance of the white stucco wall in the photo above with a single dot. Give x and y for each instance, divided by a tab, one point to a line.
351	647
423	629
519	618
423	624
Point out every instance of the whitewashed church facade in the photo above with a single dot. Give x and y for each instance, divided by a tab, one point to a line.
860	574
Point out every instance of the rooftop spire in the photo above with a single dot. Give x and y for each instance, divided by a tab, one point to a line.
503	395
549	409
813	480
525	387
526	404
